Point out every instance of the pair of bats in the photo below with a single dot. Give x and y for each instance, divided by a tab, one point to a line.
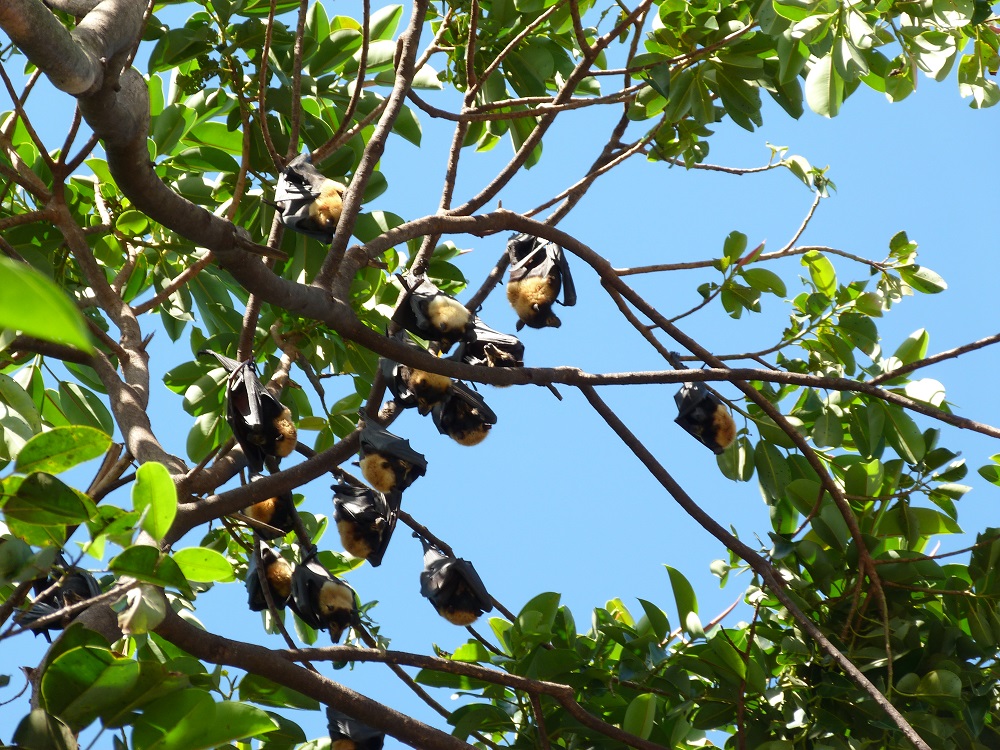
457	410
311	204
321	600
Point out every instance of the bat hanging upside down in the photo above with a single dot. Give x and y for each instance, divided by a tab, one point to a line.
538	272
703	415
309	202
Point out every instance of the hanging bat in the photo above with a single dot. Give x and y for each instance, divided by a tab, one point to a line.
538	271
387	461
412	387
261	424
365	520
350	734
309	203
277	575
322	601
463	415
453	587
77	586
702	414
278	512
431	314
485	347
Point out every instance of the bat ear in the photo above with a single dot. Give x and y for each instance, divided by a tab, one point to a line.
519	325
553	321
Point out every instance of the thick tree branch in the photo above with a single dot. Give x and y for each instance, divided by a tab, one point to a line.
276	667
75	61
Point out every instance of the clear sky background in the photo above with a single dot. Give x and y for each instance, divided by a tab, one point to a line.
552	501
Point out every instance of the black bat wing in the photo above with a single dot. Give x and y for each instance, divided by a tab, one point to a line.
562	263
481	343
393	378
376	439
519	247
468	573
307	579
367	508
343	727
299	184
301	172
461	391
26	618
444	577
79	586
696	405
537	262
412	315
255	593
433	578
228	364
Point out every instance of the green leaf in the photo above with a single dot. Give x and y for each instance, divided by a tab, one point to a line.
903	434
20	402
257	689
152	566
922	279
991	472
824	88
191	720
640	715
145	609
821	272
657	619
687	602
83	683
155	496
41	731
772	469
203	565
914	348
539	615
733	247
735	462
432	678
659	78
42	500
828	431
765	280
384	22
82	406
25	293
62	448
408	126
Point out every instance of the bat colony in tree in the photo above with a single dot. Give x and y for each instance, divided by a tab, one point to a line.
366	517
310	203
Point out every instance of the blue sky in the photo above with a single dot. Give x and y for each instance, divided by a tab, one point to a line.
552	501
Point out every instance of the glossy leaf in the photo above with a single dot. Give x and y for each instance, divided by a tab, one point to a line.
154	496
26	291
203	565
62	448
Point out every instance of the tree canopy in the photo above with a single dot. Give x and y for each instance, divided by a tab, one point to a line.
161	189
